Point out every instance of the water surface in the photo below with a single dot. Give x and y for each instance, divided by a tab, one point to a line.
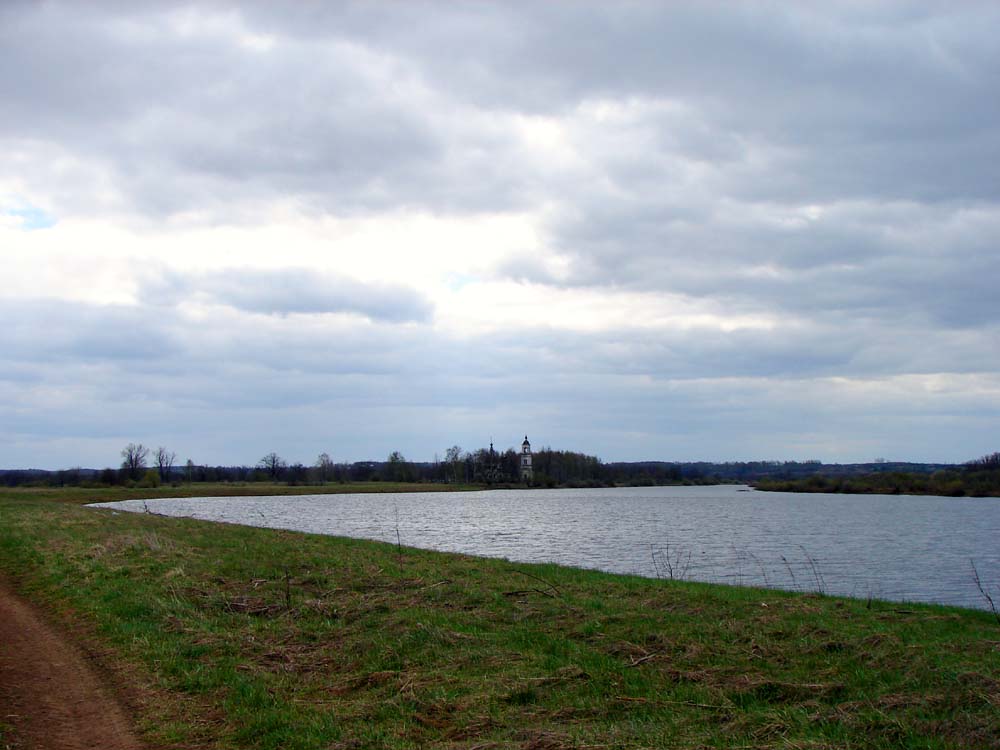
900	548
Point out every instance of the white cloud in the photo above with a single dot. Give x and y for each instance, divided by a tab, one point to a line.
647	231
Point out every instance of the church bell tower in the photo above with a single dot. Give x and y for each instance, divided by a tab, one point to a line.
526	471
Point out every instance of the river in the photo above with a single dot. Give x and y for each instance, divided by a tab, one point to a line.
899	548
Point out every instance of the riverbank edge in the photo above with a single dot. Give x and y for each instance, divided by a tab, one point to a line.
117	578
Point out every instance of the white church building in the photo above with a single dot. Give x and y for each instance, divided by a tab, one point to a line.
526	471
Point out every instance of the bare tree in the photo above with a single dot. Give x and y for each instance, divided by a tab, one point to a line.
324	467
134	457
273	464
453	458
164	462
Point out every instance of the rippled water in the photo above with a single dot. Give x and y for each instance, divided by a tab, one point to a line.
890	547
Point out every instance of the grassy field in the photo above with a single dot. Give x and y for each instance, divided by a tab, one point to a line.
224	636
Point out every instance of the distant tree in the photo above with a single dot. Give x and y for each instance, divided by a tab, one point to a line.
189	470
324	468
296	474
164	462
510	465
134	457
362	471
68	477
272	464
455	465
991	461
397	469
150	479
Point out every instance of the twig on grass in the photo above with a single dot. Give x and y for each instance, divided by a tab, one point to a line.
519	592
399	542
442	582
642	659
984	592
664	702
817	576
788	567
760	565
537	578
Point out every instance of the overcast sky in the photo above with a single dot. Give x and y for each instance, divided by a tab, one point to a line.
639	230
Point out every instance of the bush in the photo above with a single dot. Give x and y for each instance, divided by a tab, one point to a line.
150	479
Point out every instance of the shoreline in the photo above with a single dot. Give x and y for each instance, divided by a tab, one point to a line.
793	568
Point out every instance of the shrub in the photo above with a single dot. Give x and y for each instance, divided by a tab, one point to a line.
150	479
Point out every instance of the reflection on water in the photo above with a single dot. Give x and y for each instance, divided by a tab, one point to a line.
889	547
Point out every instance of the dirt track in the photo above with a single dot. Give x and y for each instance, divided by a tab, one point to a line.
49	693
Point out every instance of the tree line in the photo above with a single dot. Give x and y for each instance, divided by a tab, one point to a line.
147	467
977	478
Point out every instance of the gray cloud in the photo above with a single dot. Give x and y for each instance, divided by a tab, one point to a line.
187	120
285	291
356	108
831	168
230	390
53	331
884	263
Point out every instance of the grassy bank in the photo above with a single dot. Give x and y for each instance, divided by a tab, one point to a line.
236	637
83	495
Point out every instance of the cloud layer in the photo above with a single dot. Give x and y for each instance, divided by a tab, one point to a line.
643	231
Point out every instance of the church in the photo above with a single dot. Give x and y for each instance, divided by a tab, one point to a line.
527	473
492	467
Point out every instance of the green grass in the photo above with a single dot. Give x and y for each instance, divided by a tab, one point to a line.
240	637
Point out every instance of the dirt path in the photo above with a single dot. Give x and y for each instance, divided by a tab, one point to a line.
49	693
